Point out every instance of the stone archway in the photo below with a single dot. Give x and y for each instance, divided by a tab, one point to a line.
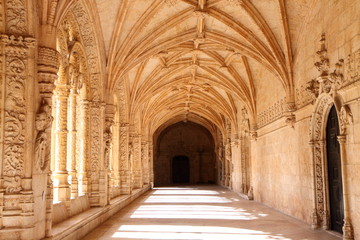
321	211
188	146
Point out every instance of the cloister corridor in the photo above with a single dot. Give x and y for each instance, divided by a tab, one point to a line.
202	212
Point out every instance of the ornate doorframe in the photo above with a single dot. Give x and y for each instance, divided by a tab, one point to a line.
320	216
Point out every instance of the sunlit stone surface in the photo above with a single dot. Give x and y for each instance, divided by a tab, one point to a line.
202	212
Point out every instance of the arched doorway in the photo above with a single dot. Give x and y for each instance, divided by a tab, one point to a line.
180	169
184	153
334	172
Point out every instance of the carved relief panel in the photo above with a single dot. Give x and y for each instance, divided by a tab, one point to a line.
15	62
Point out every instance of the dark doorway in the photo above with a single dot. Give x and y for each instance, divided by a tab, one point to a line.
181	169
334	172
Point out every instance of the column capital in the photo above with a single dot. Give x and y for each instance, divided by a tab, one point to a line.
48	66
48	58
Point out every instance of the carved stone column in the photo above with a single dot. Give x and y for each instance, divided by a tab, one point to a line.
72	141
151	164
244	187
84	169
16	89
348	233
145	161
124	167
61	184
326	214
221	164
48	66
136	161
314	217
109	122
228	164
98	178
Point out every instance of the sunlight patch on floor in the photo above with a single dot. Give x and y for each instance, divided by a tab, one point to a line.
190	232
187	199
191	212
208	213
185	192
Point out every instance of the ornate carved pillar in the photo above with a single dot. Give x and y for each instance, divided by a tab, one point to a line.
135	140
314	218
61	184
348	233
48	66
124	168
72	141
244	187
151	164
221	164
228	163
84	167
98	178
16	90
325	214
109	122
145	161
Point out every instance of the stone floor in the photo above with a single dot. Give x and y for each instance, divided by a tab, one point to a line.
202	212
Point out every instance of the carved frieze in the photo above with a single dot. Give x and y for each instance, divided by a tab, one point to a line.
306	94
274	112
16	16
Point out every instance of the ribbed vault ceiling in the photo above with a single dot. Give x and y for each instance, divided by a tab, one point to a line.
199	59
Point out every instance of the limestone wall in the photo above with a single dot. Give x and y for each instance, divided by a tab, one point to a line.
282	169
282	161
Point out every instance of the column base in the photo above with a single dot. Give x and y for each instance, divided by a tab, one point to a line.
348	233
314	220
